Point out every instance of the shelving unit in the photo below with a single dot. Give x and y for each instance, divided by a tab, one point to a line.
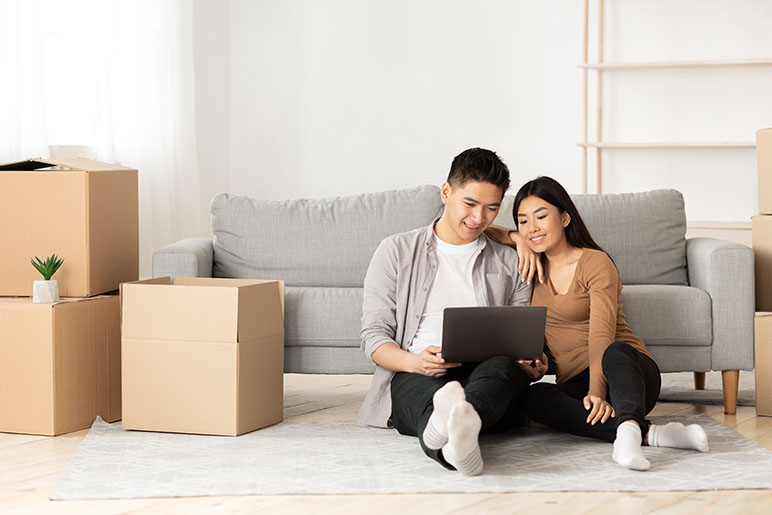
600	67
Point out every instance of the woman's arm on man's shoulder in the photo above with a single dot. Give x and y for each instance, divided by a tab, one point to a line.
528	262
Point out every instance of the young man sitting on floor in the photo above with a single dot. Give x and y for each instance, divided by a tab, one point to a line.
412	277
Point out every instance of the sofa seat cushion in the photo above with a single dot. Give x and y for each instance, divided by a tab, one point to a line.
319	242
322	317
669	315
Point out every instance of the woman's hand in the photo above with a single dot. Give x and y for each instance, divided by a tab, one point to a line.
601	410
528	262
536	368
428	363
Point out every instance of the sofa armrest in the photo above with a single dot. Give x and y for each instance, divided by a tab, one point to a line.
725	270
192	257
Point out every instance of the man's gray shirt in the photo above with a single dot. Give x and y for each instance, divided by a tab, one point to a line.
396	286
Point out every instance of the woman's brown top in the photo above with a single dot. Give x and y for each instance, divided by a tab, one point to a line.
584	321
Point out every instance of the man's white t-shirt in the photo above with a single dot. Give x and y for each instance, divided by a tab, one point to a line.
452	287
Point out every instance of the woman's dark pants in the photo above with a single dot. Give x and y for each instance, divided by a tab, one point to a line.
633	389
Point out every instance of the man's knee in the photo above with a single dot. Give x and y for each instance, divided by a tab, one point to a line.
539	391
504	362
536	395
502	366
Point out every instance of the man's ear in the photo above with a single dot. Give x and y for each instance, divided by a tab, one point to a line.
565	219
445	190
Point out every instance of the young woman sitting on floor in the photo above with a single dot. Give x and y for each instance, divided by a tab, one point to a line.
607	382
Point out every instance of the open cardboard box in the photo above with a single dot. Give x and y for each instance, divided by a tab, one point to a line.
60	364
84	211
763	344
761	235
202	355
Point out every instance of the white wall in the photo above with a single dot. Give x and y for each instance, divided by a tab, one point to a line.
314	98
725	104
212	50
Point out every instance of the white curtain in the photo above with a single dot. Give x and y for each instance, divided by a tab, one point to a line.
23	130
127	69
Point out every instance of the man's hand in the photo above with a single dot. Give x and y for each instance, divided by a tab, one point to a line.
601	410
528	262
428	363
536	368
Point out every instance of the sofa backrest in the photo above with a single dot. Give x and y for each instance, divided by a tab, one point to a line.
321	242
645	233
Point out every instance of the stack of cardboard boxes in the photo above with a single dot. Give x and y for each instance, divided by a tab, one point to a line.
189	355
762	246
60	362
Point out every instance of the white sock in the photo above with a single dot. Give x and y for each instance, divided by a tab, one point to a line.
436	431
463	448
675	434
627	447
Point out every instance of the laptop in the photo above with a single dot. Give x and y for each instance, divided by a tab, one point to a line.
482	332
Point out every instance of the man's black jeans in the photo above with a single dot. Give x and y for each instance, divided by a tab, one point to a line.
633	389
494	387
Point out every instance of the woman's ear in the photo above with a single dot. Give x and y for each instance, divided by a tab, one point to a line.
565	218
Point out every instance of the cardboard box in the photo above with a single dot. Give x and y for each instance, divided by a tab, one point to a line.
761	233
202	355
60	364
764	160
763	339
84	211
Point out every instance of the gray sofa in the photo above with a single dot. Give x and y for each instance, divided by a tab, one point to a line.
692	301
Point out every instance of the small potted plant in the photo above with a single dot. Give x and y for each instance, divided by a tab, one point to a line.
46	290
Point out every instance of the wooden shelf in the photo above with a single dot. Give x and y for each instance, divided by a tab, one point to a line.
675	64
702	144
601	66
727	226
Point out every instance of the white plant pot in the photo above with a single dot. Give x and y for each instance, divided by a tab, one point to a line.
45	291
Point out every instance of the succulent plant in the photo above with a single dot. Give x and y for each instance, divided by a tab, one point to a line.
47	267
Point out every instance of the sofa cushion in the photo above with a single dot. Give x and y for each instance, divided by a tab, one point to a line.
322	317
669	315
324	242
645	233
661	315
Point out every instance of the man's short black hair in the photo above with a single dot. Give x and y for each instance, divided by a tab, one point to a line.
480	165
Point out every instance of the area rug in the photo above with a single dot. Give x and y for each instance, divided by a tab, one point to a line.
679	387
341	458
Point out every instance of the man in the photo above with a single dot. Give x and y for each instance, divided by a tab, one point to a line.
412	277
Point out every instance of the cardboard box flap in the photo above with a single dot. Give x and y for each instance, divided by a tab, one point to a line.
78	164
29	165
258	313
179	312
202	309
89	165
260	316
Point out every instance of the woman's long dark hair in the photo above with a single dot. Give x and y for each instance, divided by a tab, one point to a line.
550	190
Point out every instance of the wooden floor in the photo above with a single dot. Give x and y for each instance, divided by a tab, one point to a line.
30	465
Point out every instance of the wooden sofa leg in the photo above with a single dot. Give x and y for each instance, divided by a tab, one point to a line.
730	380
699	380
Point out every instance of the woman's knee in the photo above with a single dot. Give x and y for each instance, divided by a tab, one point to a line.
615	353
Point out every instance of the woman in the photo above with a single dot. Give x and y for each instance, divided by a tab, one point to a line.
607	382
